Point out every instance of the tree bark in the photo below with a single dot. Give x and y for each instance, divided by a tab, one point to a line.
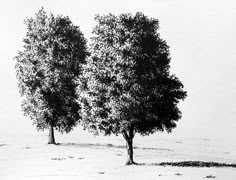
51	137
129	145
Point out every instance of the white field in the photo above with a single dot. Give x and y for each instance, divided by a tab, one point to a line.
84	156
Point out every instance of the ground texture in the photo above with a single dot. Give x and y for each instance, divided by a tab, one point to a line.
83	156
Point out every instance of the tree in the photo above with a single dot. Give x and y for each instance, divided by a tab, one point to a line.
127	86
47	71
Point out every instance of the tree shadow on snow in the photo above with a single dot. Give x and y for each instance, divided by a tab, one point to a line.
98	145
190	164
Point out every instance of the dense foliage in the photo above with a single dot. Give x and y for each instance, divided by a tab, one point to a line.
126	83
47	71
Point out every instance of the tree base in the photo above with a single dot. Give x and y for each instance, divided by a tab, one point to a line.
52	142
128	163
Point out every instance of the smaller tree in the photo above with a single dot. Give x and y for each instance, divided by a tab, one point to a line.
126	83
47	69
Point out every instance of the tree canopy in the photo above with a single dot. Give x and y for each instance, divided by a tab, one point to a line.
47	71
127	85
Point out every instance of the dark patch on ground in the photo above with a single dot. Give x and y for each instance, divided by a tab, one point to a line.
69	157
210	176
194	164
178	174
178	142
27	147
58	159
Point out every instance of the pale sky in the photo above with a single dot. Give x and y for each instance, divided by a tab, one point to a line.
201	36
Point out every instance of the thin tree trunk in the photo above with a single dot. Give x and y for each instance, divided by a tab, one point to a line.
51	137
129	145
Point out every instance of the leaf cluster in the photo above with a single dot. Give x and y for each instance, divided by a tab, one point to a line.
47	69
126	82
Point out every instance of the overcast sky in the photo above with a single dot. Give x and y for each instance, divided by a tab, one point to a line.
201	36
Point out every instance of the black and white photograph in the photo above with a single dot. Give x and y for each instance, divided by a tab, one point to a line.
119	89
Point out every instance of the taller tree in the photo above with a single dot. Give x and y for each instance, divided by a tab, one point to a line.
126	83
47	71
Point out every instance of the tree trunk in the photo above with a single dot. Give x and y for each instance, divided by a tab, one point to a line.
129	145
51	137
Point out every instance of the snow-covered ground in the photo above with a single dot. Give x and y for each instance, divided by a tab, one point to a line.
83	156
